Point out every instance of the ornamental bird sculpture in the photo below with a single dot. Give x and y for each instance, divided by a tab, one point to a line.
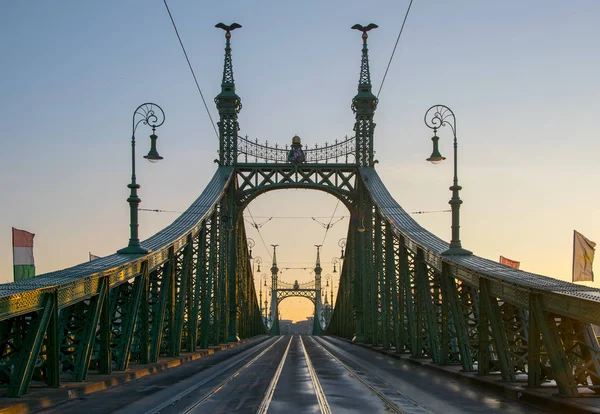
229	28
364	29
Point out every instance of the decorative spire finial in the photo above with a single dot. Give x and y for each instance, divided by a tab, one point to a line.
365	75
318	262
228	104
364	105
228	65
274	268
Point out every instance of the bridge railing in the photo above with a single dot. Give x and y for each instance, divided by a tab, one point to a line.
304	285
103	314
343	151
465	310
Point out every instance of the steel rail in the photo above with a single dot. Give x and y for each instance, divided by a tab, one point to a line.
321	397
264	405
388	402
194	387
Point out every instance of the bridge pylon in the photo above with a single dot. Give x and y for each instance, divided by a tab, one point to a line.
317	328
274	330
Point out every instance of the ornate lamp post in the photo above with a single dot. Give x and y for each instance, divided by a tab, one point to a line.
264	278
335	261
327	277
257	260
439	116
328	310
342	244
148	114
251	245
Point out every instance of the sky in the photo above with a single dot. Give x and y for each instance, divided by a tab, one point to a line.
521	77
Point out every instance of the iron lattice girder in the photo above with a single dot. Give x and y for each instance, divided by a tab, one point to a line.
336	179
508	284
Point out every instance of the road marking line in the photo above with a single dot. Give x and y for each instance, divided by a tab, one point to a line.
323	404
264	405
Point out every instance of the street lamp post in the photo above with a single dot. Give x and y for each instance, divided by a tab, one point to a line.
327	278
251	245
335	261
342	244
264	277
439	116
257	260
152	115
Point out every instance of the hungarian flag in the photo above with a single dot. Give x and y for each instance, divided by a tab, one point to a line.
23	265
583	258
508	262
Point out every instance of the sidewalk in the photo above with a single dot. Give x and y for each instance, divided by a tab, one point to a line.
41	396
588	402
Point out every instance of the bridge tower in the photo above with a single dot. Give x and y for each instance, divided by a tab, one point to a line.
274	306
229	104
364	105
317	328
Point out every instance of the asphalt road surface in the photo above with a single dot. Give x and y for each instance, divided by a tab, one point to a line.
298	374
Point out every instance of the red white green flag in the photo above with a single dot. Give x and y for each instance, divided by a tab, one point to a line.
23	265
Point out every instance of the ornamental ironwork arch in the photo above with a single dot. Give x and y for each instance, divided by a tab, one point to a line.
299	290
339	181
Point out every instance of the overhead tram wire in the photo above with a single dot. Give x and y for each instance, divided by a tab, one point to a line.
394	51
330	220
269	218
256	226
191	69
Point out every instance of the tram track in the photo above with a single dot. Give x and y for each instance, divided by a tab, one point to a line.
393	400
321	397
304	374
264	405
198	401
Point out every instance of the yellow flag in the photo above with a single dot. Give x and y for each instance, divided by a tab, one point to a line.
583	258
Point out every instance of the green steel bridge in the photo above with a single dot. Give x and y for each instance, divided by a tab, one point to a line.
194	288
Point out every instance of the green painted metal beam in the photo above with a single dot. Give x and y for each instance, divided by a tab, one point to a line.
53	345
144	318
30	348
158	314
130	318
392	279
105	352
494	314
458	318
563	374
404	281
423	286
83	354
182	297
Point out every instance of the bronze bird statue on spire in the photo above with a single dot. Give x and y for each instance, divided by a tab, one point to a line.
229	28
365	29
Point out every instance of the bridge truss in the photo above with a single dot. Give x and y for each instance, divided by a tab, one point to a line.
195	288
